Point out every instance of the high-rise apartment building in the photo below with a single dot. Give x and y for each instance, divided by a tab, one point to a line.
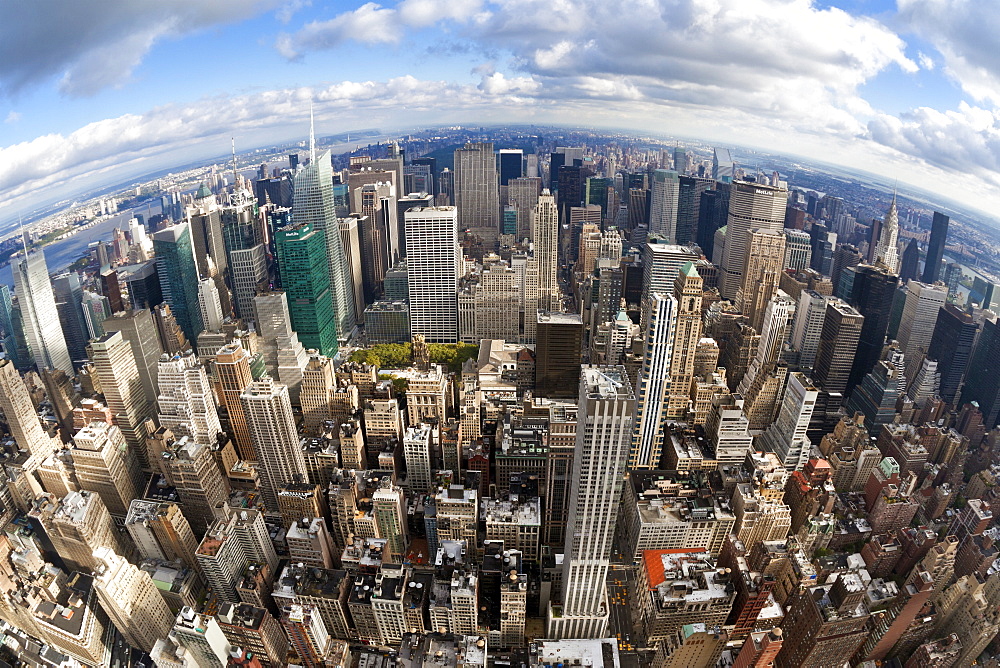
305	278
256	631
161	531
20	414
606	409
104	464
39	316
751	205
192	470
131	600
77	526
654	382
389	511
268	411
202	639
476	192
122	388
186	401
786	436
179	277
313	205
433	262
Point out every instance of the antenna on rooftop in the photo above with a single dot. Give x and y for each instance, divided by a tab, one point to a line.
312	135
235	178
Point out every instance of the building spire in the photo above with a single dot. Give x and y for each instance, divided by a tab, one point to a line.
235	179
312	135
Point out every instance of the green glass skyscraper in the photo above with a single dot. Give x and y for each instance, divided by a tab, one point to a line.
305	279
313	204
179	277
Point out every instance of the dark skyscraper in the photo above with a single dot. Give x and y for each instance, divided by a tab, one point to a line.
556	160
510	164
689	207
951	347
557	355
983	382
179	277
909	265
871	294
838	343
713	208
935	249
306	281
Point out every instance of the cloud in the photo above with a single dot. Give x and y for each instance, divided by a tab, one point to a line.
965	33
371	23
90	46
963	140
780	60
12	117
926	62
45	168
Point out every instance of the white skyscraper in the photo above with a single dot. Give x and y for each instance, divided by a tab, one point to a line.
603	436
786	436
313	204
751	205
886	250
433	260
20	414
38	309
545	224
186	401
808	325
129	597
916	326
654	382
210	305
663	208
274	437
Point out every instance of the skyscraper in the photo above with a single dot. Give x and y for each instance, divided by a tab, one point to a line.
245	252
838	343
935	249
545	228
40	317
510	164
663	210
763	266
951	347
274	436
232	370
313	205
131	600
476	195
122	389
871	294
559	340
751	205
433	260
654	382
786	436
178	273
688	207
305	277
603	435
20	415
687	334
886	250
103	464
139	329
916	327
186	401
982	383
69	300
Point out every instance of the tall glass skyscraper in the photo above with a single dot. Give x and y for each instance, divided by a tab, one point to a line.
313	204
305	277
179	277
38	308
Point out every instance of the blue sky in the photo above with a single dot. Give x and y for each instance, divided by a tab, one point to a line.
101	91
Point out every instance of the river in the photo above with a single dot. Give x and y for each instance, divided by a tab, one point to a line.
61	254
